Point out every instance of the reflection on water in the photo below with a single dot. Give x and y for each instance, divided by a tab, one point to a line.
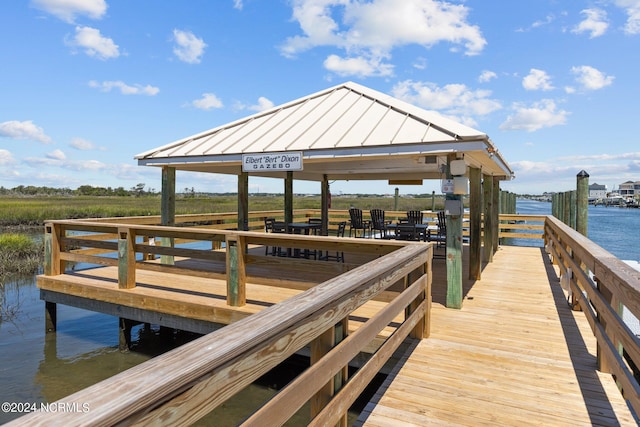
37	367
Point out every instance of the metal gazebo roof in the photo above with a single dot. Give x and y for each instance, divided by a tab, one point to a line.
344	132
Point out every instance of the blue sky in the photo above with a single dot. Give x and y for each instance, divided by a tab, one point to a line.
85	85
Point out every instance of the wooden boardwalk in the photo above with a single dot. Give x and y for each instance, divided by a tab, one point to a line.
514	355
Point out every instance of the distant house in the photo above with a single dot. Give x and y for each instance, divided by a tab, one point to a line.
597	191
629	189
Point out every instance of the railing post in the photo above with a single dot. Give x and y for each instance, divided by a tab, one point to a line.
236	273
126	258
52	240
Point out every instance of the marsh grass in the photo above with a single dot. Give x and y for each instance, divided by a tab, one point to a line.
34	211
19	254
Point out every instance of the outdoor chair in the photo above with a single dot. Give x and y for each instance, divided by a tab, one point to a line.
357	223
339	255
268	228
441	236
278	227
415	217
316	221
378	223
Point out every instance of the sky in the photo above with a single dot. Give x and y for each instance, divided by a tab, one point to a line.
85	85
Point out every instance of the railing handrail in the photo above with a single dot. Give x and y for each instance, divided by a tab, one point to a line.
186	383
601	285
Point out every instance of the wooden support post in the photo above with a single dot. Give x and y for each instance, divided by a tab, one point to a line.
168	209
495	213
454	250
288	197
433	201
236	271
582	202
324	205
126	258
475	219
124	337
489	224
50	317
243	201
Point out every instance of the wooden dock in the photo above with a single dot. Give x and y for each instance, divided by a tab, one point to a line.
515	354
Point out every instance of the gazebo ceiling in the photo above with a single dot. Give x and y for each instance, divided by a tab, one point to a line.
347	132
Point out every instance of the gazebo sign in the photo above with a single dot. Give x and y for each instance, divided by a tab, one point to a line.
277	162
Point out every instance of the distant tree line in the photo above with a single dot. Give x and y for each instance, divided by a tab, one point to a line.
84	190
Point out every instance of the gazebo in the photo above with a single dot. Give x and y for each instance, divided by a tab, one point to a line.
351	132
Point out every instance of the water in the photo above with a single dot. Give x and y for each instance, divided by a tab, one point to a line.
613	228
37	368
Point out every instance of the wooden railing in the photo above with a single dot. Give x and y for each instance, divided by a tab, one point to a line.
131	248
185	384
602	287
521	227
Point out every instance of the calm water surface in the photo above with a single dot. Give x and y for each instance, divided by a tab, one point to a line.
37	368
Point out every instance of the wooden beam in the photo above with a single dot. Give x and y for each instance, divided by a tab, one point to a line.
475	219
489	224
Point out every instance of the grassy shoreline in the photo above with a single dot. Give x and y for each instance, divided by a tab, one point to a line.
26	212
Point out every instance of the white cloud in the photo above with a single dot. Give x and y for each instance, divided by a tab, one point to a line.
94	44
82	144
454	100
207	102
14	129
540	115
369	31
358	66
262	105
595	23
188	48
124	88
486	76
537	80
237	4
85	165
590	78
68	10
57	155
632	9
6	158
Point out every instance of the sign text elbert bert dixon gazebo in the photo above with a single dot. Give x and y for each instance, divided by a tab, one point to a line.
290	161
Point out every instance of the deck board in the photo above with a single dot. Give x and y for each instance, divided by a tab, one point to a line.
515	354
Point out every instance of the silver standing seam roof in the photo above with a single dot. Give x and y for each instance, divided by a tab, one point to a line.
346	132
